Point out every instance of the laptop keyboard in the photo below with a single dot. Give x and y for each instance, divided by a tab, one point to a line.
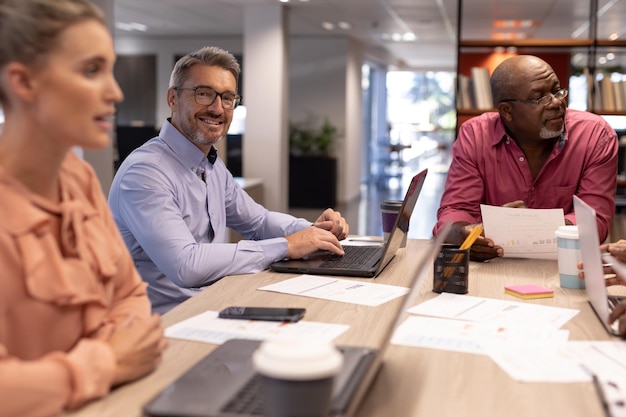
355	256
248	400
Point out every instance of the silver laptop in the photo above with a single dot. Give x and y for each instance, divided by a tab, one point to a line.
224	384
360	261
600	301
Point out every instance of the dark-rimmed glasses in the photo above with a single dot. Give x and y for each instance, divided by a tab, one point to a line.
205	96
560	94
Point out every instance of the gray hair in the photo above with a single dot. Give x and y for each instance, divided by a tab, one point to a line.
503	82
210	56
29	29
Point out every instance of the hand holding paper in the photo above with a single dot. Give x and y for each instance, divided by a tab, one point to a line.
522	232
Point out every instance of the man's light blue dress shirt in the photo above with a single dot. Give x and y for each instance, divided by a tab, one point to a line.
175	224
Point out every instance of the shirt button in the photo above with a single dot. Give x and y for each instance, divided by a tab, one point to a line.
521	159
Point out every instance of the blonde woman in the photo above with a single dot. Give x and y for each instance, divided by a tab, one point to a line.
74	316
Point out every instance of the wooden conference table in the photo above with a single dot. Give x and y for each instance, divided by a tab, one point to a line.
411	381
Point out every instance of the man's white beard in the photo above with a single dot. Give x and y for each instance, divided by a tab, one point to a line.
549	134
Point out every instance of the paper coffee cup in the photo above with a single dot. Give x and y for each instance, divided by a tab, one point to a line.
297	376
389	210
568	252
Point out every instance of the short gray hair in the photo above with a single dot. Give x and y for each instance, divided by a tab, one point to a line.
503	81
210	56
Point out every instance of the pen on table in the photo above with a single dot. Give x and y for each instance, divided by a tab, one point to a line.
467	243
601	394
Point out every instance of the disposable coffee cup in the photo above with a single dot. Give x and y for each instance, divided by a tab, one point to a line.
297	376
389	210
568	252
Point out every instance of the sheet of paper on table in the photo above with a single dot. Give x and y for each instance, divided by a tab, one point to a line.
470	337
208	328
523	233
490	310
573	361
343	290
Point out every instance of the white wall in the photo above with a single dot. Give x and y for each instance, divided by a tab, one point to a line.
265	58
325	81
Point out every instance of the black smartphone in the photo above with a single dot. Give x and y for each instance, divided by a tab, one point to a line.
263	313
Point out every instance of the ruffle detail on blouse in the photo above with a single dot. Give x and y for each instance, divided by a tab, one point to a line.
68	280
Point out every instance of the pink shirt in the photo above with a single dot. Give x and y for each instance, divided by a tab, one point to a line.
489	168
57	305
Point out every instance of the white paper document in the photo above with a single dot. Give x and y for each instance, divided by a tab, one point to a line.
539	363
463	336
207	327
523	233
566	362
344	290
502	312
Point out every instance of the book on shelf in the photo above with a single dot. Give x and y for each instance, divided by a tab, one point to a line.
610	95
465	99
619	92
607	94
482	88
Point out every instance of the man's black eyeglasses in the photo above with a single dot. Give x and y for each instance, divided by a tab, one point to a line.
560	94
205	96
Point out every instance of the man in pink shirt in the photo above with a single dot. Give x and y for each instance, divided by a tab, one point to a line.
532	153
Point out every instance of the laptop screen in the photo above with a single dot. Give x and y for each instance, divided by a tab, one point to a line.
401	227
591	258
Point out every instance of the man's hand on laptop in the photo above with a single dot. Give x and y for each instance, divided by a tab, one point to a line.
617	249
312	239
618	314
334	222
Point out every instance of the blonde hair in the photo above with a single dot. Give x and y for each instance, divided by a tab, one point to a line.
29	29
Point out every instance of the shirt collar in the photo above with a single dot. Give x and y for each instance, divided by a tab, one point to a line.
189	153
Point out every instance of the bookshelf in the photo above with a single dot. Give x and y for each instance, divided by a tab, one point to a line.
568	57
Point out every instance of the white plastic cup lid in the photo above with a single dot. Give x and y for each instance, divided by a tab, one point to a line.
567	232
297	359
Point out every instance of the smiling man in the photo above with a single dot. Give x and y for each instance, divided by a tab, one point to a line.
173	198
534	152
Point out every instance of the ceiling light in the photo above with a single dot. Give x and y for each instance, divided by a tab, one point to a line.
328	25
409	37
610	56
132	26
613	36
514	24
602	60
396	37
507	36
344	25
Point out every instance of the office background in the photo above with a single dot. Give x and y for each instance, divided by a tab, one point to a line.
293	72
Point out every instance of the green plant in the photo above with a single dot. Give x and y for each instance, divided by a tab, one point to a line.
305	139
